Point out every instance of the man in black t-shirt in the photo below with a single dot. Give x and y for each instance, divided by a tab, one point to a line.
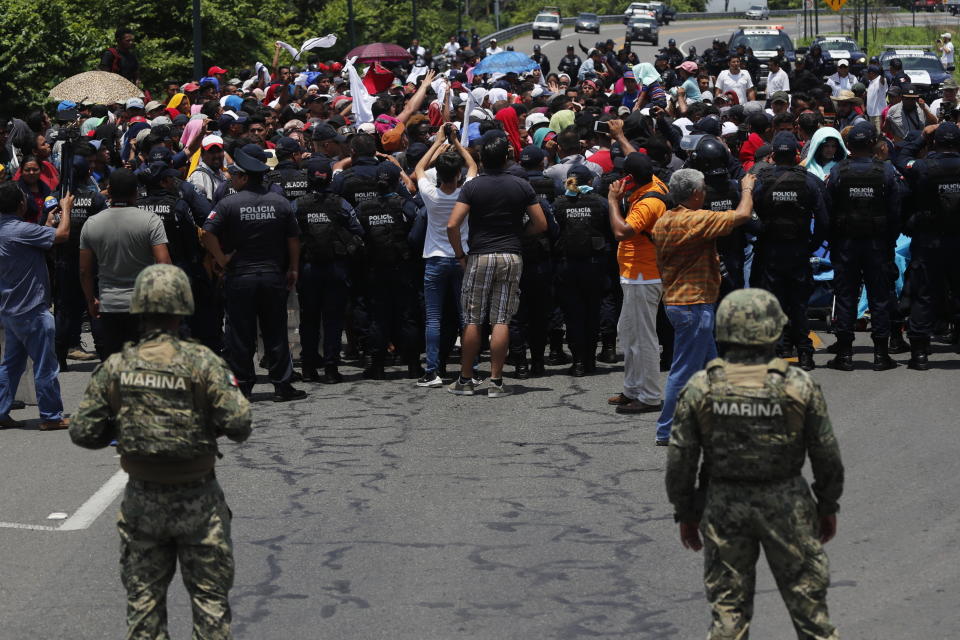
120	58
495	203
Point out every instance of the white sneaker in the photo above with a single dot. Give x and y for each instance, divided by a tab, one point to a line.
430	379
498	390
463	389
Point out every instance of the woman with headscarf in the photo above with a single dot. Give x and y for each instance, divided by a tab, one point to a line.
561	120
826	149
511	125
181	103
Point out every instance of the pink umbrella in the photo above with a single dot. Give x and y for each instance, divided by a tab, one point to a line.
379	52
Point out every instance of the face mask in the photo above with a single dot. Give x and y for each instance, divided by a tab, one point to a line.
580	190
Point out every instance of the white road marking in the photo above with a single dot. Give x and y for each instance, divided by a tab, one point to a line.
57	515
32	527
90	510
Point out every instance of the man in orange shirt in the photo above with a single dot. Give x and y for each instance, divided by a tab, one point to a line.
640	281
685	237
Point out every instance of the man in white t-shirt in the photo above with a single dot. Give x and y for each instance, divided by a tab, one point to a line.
442	273
777	79
737	80
841	80
450	48
493	49
945	45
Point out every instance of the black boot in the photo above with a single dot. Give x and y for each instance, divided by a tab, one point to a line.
843	361
285	392
897	343
310	374
537	368
608	353
375	370
522	369
331	375
577	369
414	370
590	363
881	355
805	360
918	354
557	356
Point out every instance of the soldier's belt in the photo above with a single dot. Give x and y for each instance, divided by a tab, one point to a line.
755	481
170	472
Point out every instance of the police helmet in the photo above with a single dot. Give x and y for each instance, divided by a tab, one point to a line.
671	42
711	157
750	317
162	288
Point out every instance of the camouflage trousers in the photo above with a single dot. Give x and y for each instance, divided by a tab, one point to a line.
781	518
160	525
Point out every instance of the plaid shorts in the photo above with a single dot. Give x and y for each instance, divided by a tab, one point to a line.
491	288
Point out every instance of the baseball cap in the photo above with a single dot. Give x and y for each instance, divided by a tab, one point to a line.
909	91
134	103
66	105
581	173
629	75
762	152
534	119
862	133
689	66
858	87
318	167
214	70
245	163
780	96
729	129
159	170
896	92
784	142
843	62
947	133
946	34
190	86
949	83
874	68
709	124
211	140
321	132
288	145
153	104
639	166
255	151
389	171
531	155
160	153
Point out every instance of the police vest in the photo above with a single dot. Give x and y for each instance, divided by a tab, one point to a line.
860	208
85	204
581	221
158	408
536	248
293	182
943	196
544	187
182	240
324	237
386	230
730	247
752	428
358	188
783	209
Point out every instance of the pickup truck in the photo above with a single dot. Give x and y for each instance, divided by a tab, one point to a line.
953	6
927	5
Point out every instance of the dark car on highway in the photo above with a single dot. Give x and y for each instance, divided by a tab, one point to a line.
588	22
643	28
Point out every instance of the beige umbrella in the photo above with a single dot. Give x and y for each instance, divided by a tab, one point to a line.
96	87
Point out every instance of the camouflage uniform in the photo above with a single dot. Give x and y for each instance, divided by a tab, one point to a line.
165	401
755	424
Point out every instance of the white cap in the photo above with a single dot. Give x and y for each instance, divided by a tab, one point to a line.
368	128
211	140
534	119
153	104
161	120
134	103
843	62
946	35
728	129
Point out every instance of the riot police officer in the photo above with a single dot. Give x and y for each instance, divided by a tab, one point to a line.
288	174
389	281
358	182
530	324
674	54
541	60
70	302
934	224
166	401
330	235
259	231
786	197
162	199
864	203
583	247
712	158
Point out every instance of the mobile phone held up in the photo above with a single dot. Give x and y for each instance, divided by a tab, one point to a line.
601	127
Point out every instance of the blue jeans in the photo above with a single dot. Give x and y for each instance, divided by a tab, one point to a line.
33	335
693	347
442	278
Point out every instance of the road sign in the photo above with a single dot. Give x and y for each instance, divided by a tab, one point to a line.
836	5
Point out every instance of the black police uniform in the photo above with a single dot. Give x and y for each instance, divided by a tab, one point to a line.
182	239
291	179
529	326
723	194
387	287
359	182
583	250
934	225
70	303
256	224
864	201
786	199
330	240
570	65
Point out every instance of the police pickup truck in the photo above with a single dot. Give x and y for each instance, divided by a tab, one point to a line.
921	65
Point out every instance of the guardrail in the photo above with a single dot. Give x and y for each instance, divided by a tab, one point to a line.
509	33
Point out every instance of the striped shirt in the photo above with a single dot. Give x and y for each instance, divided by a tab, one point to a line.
687	254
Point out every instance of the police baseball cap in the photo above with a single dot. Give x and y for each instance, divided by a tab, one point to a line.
388	171
255	151
322	132
784	142
581	173
318	168
243	162
160	153
639	166
947	133
708	124
288	145
532	155
862	133
157	171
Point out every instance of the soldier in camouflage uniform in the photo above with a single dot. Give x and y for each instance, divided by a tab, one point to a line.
166	401
755	419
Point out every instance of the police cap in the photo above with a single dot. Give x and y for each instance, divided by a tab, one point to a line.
532	156
947	134
243	162
863	134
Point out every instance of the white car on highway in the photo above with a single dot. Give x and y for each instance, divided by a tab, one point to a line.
547	25
756	12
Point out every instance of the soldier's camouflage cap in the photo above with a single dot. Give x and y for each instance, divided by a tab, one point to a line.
162	288
750	317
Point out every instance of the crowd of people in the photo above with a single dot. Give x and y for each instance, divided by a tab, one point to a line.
420	202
